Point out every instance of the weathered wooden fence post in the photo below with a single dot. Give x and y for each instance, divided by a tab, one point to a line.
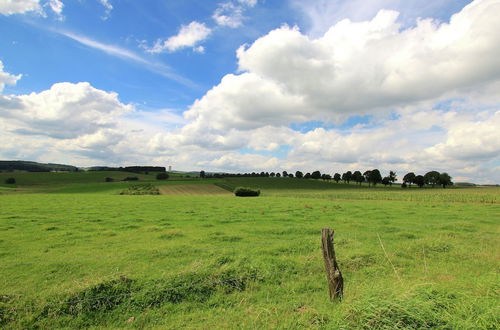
333	274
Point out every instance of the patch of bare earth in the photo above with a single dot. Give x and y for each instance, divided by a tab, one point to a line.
193	190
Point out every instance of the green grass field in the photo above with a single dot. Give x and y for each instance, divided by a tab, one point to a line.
80	255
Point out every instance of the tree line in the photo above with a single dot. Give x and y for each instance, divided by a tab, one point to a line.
372	177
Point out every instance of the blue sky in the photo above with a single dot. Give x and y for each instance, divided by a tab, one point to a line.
251	85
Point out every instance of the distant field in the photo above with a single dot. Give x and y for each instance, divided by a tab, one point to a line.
84	256
31	178
194	190
290	187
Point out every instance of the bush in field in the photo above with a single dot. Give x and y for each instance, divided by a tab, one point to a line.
162	176
246	192
108	179
131	178
10	181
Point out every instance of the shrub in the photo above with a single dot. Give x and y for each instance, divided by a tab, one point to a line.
162	176
10	181
108	179
131	178
245	192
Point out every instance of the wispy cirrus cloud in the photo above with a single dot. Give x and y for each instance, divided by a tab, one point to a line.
108	7
126	54
231	13
57	7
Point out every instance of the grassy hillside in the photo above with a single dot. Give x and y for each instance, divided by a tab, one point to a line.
301	188
33	178
104	260
83	182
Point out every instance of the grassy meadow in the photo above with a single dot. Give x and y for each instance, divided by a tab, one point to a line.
76	253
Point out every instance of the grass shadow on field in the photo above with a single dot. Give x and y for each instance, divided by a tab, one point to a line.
90	305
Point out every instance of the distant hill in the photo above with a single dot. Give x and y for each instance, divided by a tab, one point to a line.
21	165
464	184
133	169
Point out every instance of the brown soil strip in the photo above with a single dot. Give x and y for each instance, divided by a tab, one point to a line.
193	190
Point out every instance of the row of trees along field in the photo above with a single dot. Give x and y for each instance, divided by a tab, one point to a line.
372	177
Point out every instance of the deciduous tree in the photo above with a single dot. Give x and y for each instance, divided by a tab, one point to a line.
367	176
445	179
409	178
432	178
358	177
316	175
419	181
375	177
392	177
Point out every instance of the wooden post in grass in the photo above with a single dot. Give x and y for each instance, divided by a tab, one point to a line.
333	274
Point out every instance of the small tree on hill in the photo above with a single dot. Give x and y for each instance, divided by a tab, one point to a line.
337	177
278	175
10	181
307	175
202	174
299	175
386	180
162	176
392	177
285	174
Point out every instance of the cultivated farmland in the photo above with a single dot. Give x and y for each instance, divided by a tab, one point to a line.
76	254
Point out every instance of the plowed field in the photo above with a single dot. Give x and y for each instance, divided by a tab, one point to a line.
193	190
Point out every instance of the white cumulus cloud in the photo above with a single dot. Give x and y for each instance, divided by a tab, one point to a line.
189	36
11	7
7	78
64	111
355	68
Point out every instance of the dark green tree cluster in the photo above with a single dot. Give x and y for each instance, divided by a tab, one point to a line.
431	178
372	177
162	176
